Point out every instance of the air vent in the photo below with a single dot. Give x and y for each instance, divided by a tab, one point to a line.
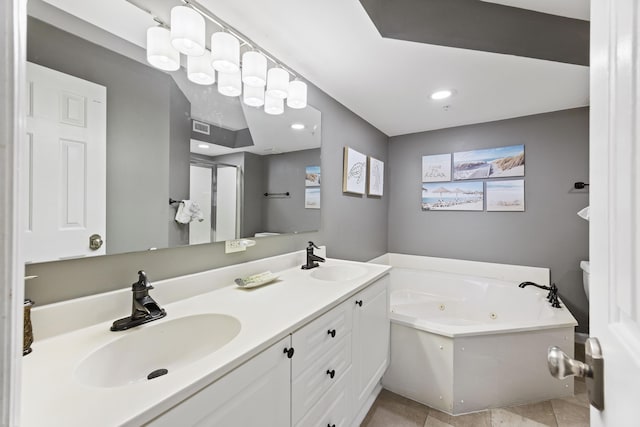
201	127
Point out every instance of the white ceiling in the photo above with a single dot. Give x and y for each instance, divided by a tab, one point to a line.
334	45
578	9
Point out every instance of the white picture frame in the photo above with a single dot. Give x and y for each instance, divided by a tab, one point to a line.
505	196
354	174
436	168
312	198
375	181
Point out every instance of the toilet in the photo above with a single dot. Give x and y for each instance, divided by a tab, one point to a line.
584	265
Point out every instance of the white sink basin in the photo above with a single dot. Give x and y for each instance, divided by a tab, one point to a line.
338	273
169	345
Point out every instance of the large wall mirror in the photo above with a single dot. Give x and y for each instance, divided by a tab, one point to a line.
166	139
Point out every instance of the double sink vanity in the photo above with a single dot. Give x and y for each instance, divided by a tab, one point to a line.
307	350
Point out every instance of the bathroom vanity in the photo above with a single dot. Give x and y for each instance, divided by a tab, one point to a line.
307	350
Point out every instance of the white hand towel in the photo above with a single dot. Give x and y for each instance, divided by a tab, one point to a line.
188	211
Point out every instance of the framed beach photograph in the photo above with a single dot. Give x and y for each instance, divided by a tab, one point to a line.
354	174
375	182
436	168
312	176
505	196
312	198
453	196
489	163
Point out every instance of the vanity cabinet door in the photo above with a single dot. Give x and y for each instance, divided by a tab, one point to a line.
370	339
258	393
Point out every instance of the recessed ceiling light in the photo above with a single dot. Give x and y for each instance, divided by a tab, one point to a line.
441	94
203	145
297	126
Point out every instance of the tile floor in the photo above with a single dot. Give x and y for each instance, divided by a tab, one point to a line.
392	410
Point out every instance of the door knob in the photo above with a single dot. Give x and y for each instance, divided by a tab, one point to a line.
562	366
95	242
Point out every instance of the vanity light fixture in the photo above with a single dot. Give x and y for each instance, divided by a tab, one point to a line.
187	31
297	98
199	69
225	52
297	126
273	106
203	145
254	69
253	96
230	84
160	53
187	35
441	94
278	83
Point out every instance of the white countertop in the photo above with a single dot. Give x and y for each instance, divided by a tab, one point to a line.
52	396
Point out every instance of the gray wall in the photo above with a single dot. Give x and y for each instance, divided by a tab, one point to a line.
179	161
286	173
142	121
549	234
352	227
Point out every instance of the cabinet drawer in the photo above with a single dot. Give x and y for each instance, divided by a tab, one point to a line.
334	408
310	385
316	339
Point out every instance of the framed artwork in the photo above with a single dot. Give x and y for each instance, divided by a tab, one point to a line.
505	196
312	176
453	196
354	174
312	198
489	163
436	168
375	183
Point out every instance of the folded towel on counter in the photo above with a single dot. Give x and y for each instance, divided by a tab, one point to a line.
188	211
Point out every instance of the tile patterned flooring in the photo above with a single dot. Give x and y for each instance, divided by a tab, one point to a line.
392	410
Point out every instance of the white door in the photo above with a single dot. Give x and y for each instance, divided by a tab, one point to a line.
226	203
63	166
615	206
200	192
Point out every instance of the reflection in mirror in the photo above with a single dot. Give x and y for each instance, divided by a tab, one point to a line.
161	138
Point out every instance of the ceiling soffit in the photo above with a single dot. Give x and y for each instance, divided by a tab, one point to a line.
478	25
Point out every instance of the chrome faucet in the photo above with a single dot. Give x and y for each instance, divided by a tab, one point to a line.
143	308
312	258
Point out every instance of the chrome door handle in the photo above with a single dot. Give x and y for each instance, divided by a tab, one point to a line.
562	366
95	242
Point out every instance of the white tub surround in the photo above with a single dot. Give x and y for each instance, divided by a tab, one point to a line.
54	394
465	337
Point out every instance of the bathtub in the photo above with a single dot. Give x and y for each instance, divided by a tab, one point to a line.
465	337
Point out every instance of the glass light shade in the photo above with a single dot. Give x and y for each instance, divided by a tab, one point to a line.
230	84
278	83
225	52
253	96
297	94
254	69
160	53
199	69
187	31
273	106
